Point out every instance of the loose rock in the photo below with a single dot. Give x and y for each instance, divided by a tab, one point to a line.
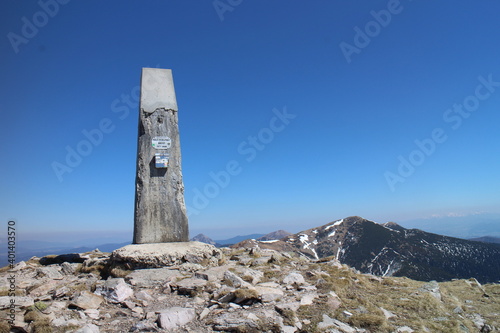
175	317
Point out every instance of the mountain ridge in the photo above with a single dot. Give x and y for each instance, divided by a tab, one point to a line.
391	250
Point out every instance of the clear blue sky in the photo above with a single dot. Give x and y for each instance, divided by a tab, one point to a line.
357	82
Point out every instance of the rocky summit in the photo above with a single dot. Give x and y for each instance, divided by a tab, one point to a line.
236	290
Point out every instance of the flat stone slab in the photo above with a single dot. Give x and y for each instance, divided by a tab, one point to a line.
157	255
151	277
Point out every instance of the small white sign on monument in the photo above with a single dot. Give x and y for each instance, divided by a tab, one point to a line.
161	142
161	160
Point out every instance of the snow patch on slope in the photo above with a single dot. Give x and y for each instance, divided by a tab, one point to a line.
339	222
304	240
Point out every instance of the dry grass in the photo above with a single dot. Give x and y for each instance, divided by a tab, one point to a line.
246	293
4	269
95	269
223	261
4	326
271	275
64	329
488	304
40	323
18	292
369	321
314	313
401	296
118	272
32	315
79	287
42	326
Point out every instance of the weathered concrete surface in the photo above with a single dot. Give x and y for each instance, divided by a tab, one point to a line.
157	90
160	211
165	255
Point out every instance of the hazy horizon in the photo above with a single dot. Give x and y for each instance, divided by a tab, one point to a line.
466	227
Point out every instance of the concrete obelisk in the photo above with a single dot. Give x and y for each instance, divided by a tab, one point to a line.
160	211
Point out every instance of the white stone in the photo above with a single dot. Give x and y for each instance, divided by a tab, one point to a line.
46	288
252	316
249	273
89	328
294	278
231	321
204	313
152	277
21	301
19	266
388	314
87	300
175	317
308	298
215	274
269	285
432	287
92	313
115	290
293	306
144	296
50	272
138	310
288	329
329	322
267	294
186	286
235	281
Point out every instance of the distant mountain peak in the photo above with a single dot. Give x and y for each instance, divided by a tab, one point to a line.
275	235
204	239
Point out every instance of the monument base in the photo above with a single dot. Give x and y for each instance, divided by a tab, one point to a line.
156	255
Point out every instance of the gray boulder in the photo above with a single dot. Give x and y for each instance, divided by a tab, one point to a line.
175	317
336	324
235	281
89	328
190	286
432	288
21	301
87	300
237	322
294	278
115	290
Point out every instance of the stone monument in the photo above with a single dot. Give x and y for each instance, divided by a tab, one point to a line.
160	212
160	223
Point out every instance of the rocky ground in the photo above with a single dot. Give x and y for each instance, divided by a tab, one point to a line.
244	290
